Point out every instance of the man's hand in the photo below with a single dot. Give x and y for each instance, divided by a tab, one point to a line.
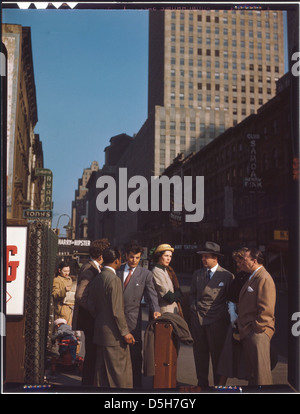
129	339
156	315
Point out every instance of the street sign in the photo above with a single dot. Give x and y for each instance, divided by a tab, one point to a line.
37	214
48	182
42	171
281	235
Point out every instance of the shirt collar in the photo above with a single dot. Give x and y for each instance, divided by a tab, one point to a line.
160	266
97	265
251	276
213	269
127	267
111	268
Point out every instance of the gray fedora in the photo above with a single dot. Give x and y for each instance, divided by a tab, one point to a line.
211	248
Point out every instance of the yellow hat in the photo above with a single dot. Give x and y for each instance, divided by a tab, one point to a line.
163	248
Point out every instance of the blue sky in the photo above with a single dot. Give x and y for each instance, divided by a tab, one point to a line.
91	75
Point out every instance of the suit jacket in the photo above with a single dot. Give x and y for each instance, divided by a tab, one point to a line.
141	284
105	303
256	305
82	319
208	300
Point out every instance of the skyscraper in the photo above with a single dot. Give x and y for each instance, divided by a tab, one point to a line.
208	70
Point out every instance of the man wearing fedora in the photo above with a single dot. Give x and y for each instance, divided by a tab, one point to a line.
209	318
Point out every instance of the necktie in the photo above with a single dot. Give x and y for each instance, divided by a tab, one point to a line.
128	277
208	275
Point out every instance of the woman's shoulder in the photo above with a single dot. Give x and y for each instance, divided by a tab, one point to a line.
158	269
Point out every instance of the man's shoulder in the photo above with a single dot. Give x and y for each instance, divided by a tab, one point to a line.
226	273
199	272
262	273
144	272
87	269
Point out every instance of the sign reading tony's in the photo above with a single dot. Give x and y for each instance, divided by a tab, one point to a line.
16	247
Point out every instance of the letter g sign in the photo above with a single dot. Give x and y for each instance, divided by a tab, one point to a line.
11	270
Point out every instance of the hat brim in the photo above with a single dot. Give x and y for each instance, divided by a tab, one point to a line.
164	248
210	252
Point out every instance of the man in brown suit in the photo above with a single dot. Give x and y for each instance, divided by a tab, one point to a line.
256	320
111	333
82	319
209	319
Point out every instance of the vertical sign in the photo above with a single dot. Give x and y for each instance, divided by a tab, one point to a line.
253	182
16	248
48	186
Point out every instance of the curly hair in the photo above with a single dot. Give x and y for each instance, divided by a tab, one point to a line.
97	247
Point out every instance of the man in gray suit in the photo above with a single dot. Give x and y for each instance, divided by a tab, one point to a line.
111	333
137	282
209	319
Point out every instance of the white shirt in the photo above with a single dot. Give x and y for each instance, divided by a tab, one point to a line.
97	265
250	277
126	271
212	270
111	268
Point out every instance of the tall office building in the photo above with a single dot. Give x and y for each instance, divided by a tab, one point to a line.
208	70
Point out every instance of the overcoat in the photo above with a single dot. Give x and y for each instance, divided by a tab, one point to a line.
81	317
61	309
256	306
106	305
163	284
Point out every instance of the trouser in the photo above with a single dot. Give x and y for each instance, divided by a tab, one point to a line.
256	348
208	342
113	367
88	369
136	361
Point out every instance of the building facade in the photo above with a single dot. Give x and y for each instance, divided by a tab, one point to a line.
208	70
23	146
247	177
79	219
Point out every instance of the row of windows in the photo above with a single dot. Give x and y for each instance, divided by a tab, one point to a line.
226	64
250	45
192	127
265	14
256	35
225	76
234	88
231	32
217	99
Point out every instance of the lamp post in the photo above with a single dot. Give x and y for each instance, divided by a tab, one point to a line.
68	227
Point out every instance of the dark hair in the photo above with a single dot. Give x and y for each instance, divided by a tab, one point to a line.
134	248
97	247
110	255
60	266
254	254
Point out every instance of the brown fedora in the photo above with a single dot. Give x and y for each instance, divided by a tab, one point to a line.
211	248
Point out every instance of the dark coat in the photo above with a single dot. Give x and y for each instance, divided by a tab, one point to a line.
82	318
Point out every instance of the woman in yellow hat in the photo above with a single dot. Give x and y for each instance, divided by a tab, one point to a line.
165	280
